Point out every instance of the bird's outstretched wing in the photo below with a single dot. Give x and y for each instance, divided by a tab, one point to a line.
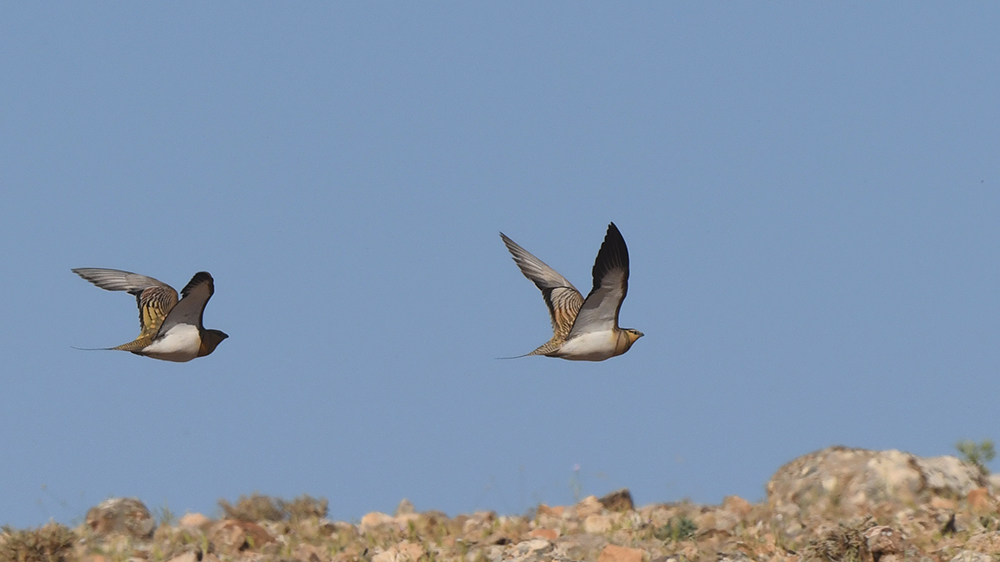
600	309
154	298
191	307
560	295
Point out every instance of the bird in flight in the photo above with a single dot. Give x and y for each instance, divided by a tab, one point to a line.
171	330
583	329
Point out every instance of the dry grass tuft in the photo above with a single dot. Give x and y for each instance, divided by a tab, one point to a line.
305	507
256	507
677	529
846	543
50	543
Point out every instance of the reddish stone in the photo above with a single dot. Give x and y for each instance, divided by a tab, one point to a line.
980	502
547	534
555	511
737	505
614	553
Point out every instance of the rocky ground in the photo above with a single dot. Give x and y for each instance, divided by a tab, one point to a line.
833	504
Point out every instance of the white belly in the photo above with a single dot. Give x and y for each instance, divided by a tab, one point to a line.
594	346
181	343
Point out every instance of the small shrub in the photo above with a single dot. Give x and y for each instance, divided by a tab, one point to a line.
256	507
167	517
51	543
977	454
305	507
677	529
846	543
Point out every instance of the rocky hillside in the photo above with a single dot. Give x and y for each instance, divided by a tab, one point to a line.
834	504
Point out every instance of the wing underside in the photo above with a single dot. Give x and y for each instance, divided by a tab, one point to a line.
600	309
191	307
561	297
154	299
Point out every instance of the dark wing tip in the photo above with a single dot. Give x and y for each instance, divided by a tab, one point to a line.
612	255
613	231
198	279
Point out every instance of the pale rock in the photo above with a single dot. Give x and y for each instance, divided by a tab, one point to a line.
313	528
410	550
620	536
534	546
547	534
988	541
402	552
851	481
373	520
579	547
403	520
571	526
632	519
722	520
885	543
126	516
478	524
472	526
705	520
351	553
117	543
193	521
549	517
589	505
405	506
597	524
547	521
793	528
737	505
275	528
493	553
950	476
309	553
971	556
231	535
511	519
186	557
227	537
615	553
658	515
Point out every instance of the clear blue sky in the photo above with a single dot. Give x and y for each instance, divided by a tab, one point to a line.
810	194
